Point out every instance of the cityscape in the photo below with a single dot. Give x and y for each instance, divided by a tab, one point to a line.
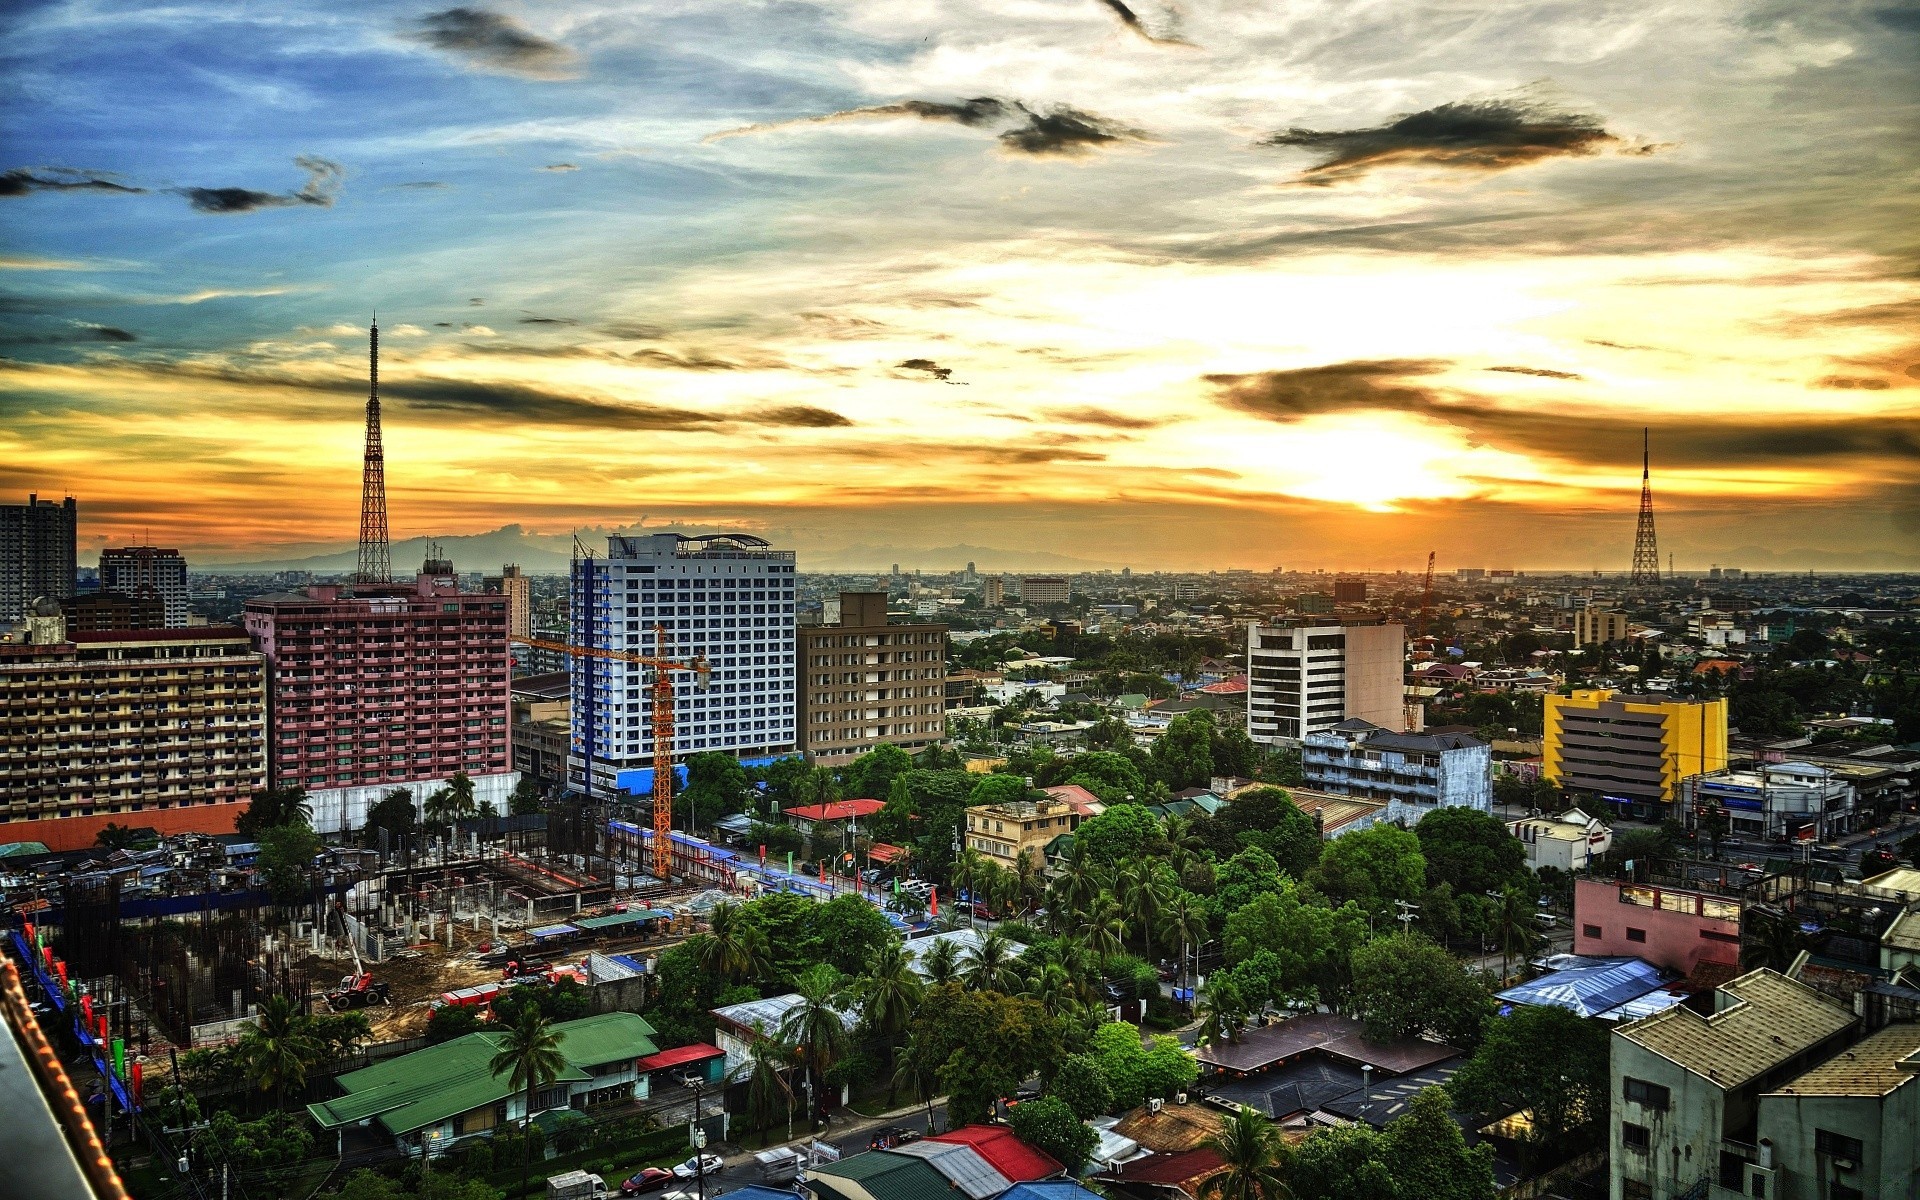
1061	601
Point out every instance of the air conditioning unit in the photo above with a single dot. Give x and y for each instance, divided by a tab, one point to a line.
1843	1164
1181	1098
1154	1105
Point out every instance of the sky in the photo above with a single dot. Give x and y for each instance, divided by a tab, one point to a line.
1220	283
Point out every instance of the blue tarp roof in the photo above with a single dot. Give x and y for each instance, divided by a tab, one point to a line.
1588	986
547	931
1048	1189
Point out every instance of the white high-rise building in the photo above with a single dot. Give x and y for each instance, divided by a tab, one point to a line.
725	597
1302	679
148	571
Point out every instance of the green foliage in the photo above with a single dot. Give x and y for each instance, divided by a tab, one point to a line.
1372	867
1136	1071
1268	818
871	776
1345	1163
1254	1154
1112	777
782	776
846	933
395	814
1123	832
1470	850
997	789
274	807
983	1045
1250	873
286	862
1282	950
1546	1059
113	836
1406	986
717	785
1050	1126
566	1000
525	799
450	1021
1429	1157
1183	755
1081	1087
686	993
274	1146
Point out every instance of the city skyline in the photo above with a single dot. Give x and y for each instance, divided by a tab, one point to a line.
1203	288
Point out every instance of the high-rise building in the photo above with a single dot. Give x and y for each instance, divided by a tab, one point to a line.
864	682
36	553
148	570
725	597
1594	626
1044	589
163	728
93	612
1305	678
383	686
1349	591
993	591
1631	751
518	590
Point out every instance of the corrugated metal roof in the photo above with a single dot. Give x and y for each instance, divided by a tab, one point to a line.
962	1166
1765	1019
1872	1068
1009	1155
1588	986
886	1176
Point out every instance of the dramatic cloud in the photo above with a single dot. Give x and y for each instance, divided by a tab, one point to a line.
980	110
1479	135
929	367
1132	21
799	416
492	42
321	189
21	180
1542	372
548	321
81	332
1066	132
1105	418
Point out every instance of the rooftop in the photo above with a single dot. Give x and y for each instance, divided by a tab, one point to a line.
1009	1155
1588	986
1327	1033
961	1166
1385	1100
838	810
1764	1019
1880	1064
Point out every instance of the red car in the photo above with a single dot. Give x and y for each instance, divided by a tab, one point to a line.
647	1179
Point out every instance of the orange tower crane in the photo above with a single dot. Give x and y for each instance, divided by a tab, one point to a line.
663	668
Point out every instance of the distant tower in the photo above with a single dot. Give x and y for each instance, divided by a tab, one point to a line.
375	565
1646	551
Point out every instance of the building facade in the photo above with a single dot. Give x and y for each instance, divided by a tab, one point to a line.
148	571
1596	626
1302	679
1846	1129
1570	842
540	729
512	583
1670	927
727	598
1044	589
158	727
1006	833
1778	801
1414	773
385	686
37	559
100	611
865	683
993	591
1631	751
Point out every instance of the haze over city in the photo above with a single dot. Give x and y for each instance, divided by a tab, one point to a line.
1207	285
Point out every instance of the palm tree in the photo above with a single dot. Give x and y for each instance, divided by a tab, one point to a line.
450	803
1771	941
1184	924
920	1074
1185	842
967	870
1075	887
1513	919
816	1026
1223	1013
732	947
891	993
768	1088
280	1049
1143	899
941	962
1254	1153
1029	879
1054	989
528	1054
1105	927
990	964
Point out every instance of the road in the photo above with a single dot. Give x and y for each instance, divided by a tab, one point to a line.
848	1136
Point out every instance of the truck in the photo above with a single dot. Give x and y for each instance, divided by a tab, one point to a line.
779	1165
576	1185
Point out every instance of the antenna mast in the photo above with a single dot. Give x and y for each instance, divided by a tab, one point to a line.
375	564
1646	551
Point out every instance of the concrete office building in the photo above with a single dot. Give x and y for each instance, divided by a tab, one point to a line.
727	597
993	591
1414	773
148	571
1302	679
1044	589
382	686
1349	591
155	727
100	611
1631	751
1849	1128
864	683
1595	626
518	589
1777	801
36	554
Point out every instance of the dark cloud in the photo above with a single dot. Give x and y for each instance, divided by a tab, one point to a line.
493	42
633	331
1066	132
1849	382
980	110
1542	372
560	167
423	185
1132	21
321	189
1105	417
799	416
928	367
1585	435
22	180
1477	135
475	301
683	362
82	331
107	333
514	402
548	321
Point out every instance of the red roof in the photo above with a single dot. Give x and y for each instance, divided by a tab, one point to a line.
882	852
839	810
1006	1153
1083	801
1172	1169
679	1055
1227	687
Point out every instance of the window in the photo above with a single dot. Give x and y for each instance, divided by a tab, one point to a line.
1635	1137
1840	1191
1592	931
1636	935
1652	1095
1837	1145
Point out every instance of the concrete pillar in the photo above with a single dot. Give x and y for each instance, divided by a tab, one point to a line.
449	935
529	912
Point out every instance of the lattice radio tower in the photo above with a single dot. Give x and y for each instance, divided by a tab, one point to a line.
375	564
1646	551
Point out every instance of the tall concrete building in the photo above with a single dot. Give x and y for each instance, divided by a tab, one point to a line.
1044	589
37	542
101	611
163	728
1414	773
993	591
1631	751
864	683
512	583
1302	679
382	686
148	571
1595	626
727	597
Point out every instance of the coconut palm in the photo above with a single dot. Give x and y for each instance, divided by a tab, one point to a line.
1105	926
1222	1013
1184	924
1513	914
1054	989
890	993
1254	1153
528	1054
1029	879
1143	899
967	871
919	1073
816	1025
280	1049
768	1088
1075	887
732	947
1185	842
941	962
989	966
1771	940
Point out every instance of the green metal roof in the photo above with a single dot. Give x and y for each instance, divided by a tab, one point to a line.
888	1176
615	920
429	1086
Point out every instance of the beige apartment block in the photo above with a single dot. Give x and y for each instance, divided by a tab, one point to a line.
866	683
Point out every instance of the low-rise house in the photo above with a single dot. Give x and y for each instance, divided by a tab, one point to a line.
805	817
1569	842
1413	772
1669	927
738	1026
1008	832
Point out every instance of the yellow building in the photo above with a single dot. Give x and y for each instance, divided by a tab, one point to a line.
1593	626
1632	751
1005	832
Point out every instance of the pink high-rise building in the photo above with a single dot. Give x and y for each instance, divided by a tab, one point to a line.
377	686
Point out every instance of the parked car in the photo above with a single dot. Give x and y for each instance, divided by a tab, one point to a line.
898	1135
647	1179
708	1164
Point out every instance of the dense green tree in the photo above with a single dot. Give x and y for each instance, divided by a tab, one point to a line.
1429	1156
989	966
1050	1126
1544	1059
1081	1087
1302	944
1250	873
1471	850
525	799
997	789
1136	1071
816	1027
1234	753
733	947
1121	833
279	1049
871	776
1372	867
1112	777
1265	817
1406	986
717	786
452	802
286	862
394	813
274	1148
985	1044
1342	1163
274	807
1183	754
113	836
450	1021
